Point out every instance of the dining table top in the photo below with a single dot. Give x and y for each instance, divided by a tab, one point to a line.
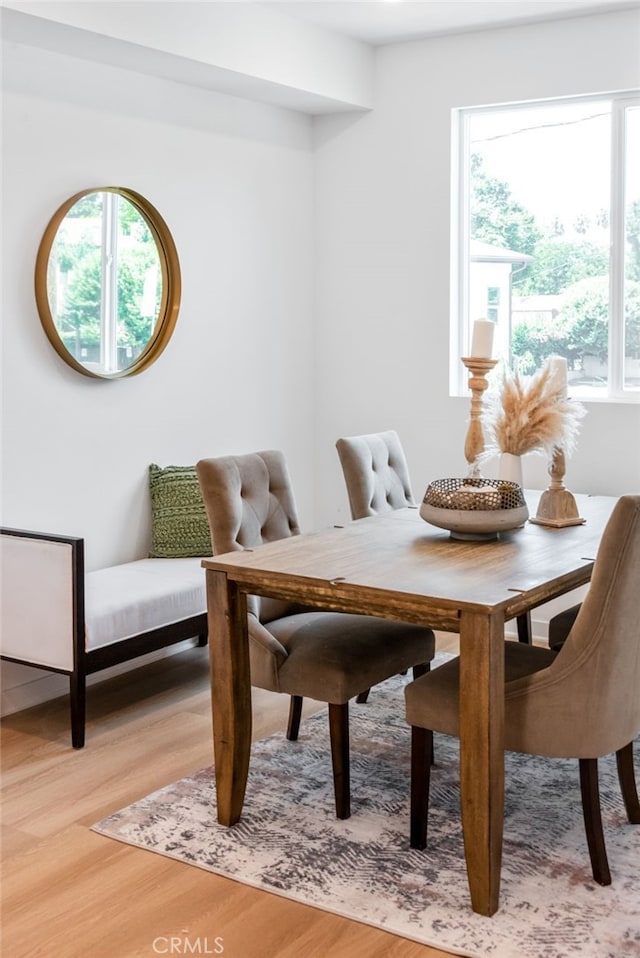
406	566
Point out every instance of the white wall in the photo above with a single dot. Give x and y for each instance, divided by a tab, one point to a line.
382	253
234	182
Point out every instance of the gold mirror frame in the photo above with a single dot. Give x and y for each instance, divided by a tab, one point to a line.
170	274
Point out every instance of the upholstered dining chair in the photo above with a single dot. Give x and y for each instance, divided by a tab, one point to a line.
582	702
327	656
376	475
375	472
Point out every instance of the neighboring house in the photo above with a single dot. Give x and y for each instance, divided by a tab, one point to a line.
491	273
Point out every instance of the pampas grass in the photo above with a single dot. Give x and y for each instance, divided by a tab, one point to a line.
532	415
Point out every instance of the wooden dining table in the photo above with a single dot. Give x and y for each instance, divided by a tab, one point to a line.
399	567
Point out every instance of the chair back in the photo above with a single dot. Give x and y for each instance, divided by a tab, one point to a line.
587	703
249	500
376	473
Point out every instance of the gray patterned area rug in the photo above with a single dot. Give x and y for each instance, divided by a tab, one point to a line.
289	842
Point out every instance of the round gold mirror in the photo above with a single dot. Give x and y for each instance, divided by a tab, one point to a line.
108	282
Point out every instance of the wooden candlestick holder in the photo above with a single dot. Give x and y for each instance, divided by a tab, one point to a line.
474	442
557	506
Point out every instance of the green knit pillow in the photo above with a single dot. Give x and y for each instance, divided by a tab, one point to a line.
179	521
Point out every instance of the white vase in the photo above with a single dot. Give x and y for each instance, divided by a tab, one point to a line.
510	468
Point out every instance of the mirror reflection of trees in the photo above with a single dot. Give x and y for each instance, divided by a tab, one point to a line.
104	281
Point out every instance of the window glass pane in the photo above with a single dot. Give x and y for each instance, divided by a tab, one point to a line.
632	251
539	234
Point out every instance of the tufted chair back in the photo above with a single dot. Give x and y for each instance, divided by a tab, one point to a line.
376	473
249	500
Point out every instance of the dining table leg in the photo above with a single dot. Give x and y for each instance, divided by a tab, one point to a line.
482	754
230	693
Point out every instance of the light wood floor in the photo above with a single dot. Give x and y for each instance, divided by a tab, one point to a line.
70	893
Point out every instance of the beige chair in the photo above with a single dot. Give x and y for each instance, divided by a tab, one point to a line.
327	656
375	472
582	702
376	475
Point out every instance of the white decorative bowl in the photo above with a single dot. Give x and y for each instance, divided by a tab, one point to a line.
474	509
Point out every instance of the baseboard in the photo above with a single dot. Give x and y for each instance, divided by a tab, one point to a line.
30	687
539	630
44	686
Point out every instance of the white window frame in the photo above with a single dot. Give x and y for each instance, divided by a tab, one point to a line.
460	256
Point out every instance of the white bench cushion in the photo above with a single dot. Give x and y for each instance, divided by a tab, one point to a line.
135	597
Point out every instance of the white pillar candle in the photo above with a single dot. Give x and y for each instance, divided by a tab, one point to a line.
482	339
558	373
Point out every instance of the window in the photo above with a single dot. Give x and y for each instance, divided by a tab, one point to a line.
493	301
547	238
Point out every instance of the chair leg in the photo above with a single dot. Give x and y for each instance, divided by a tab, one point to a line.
295	714
339	735
593	820
362	698
524	628
421	751
626	776
421	669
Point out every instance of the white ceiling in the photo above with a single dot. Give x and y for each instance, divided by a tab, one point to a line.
387	21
